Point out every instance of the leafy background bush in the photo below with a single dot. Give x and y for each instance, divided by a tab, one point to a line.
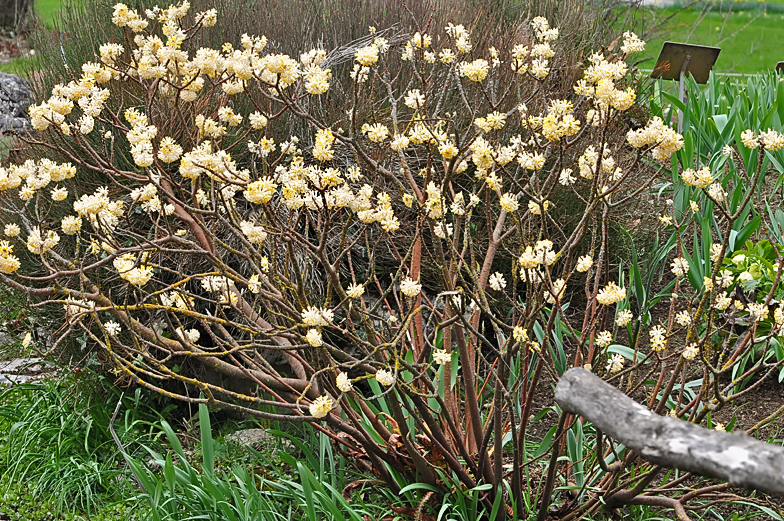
203	488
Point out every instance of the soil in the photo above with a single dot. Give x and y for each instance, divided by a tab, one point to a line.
13	46
757	405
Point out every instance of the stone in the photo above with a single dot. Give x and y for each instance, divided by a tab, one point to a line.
18	365
15	97
23	370
14	379
250	437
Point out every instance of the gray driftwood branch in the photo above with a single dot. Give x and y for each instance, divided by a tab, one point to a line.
735	457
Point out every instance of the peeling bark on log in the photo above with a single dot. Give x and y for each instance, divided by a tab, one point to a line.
735	457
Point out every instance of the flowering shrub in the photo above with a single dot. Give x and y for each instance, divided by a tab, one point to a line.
393	275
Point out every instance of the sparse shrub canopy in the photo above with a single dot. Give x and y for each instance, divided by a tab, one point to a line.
393	272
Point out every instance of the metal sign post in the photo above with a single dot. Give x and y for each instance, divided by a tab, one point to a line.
682	89
677	60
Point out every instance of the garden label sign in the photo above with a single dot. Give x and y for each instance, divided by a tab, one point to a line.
676	60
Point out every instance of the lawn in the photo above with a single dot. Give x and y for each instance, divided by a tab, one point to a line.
47	9
751	36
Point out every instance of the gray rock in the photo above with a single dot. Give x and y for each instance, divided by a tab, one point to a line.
13	379
23	370
25	365
252	437
15	97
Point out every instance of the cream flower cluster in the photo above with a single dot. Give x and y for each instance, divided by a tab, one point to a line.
255	234
377	132
367	56
757	312
321	406
615	364
598	84
589	160
316	317
435	204
9	263
316	188
497	281
99	209
134	270
385	377
623	318
71	224
559	121
679	266
493	121
414	99
462	40
441	357
261	191
419	42
38	243
176	299
189	336
85	92
147	196
664	139
317	79
691	351
123	16
556	293
631	43
509	203
314	338
322	150
604	339
540	254
218	165
37	176
221	285
410	287
584	263
140	137
611	294
112	328
475	71
658	338
702	178
12	230
74	307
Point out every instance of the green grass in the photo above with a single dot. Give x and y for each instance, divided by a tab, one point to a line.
47	9
751	37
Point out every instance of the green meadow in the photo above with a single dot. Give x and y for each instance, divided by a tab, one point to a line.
751	35
47	9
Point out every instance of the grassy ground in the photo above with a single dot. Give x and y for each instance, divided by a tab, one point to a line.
47	9
751	35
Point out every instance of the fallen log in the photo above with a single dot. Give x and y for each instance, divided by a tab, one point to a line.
741	460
